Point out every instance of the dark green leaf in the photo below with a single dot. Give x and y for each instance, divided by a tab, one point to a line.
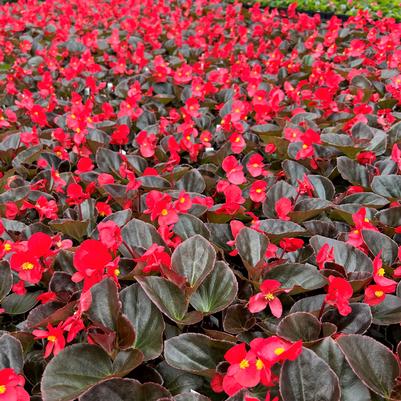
188	225
105	306
388	186
251	246
73	228
308	378
357	322
353	172
371	361
11	355
346	255
6	280
366	199
73	371
388	311
192	181
14	304
139	236
303	277
277	229
146	320
125	390
194	259
352	389
377	242
217	291
277	191
195	353
299	326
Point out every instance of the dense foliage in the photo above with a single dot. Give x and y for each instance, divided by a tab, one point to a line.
199	201
377	8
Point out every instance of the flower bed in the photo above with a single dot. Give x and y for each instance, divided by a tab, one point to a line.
379	8
199	201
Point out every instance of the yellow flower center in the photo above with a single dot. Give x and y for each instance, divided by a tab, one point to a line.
27	266
3	389
258	191
304	146
356	231
366	220
117	272
259	364
381	272
164	212
269	296
182	200
278	351
244	364
52	338
7	247
379	293
237	139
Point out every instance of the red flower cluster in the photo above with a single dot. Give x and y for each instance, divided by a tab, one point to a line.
12	386
250	367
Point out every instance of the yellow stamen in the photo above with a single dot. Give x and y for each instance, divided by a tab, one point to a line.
3	389
164	212
117	272
379	294
244	364
52	338
7	247
27	266
259	364
278	351
269	296
381	272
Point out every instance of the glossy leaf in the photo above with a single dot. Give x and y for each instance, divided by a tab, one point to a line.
194	259
195	353
73	371
377	368
146	320
217	291
125	390
311	378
